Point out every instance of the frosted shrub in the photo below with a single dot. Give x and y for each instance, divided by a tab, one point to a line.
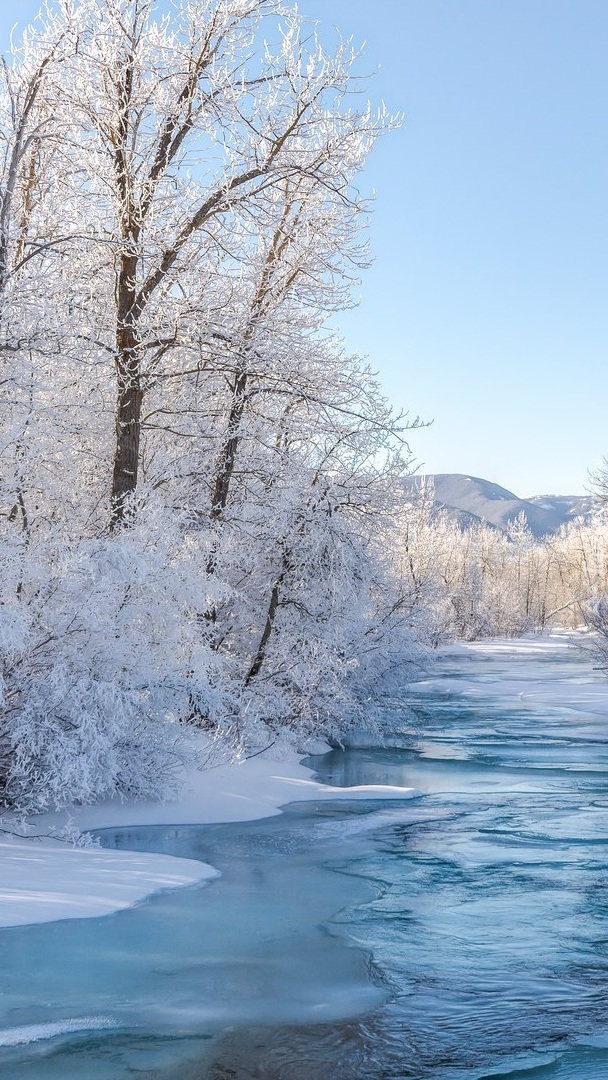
325	622
77	739
111	659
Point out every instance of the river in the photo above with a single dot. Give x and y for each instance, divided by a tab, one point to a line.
462	935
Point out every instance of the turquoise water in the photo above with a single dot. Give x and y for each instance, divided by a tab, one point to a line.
459	936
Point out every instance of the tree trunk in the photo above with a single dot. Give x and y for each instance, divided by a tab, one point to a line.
126	456
130	397
260	655
275	596
225	465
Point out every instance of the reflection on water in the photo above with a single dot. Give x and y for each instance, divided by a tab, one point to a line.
462	936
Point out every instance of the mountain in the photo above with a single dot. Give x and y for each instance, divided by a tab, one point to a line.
469	500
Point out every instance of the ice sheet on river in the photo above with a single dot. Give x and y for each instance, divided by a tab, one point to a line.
578	688
41	882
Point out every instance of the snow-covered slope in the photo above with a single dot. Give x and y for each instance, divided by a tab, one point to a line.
470	499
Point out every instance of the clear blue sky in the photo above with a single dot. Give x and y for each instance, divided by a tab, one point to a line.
485	309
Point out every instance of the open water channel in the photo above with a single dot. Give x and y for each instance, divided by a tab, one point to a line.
458	936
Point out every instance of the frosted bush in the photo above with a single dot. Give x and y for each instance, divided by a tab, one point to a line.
97	684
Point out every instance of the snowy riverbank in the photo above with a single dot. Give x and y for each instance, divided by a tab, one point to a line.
42	880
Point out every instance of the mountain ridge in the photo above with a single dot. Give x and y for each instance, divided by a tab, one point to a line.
472	500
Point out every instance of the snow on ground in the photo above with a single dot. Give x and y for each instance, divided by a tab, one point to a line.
41	881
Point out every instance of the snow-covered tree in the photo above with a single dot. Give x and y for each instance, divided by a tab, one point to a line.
183	129
200	489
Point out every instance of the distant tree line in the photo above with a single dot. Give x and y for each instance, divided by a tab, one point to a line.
481	581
